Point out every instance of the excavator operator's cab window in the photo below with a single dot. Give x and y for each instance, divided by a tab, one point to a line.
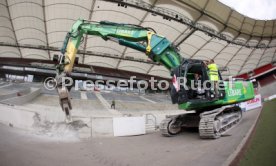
198	84
196	76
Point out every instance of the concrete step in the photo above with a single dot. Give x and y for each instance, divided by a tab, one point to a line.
83	95
150	127
3	85
146	99
7	94
106	104
25	98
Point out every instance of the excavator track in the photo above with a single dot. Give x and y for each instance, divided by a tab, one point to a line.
164	127
211	124
168	127
173	125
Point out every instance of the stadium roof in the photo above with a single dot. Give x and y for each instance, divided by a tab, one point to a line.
201	29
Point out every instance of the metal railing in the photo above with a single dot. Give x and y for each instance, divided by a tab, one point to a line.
151	118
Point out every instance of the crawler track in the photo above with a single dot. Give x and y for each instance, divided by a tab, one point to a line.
212	124
215	123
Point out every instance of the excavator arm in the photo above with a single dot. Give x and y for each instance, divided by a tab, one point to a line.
156	47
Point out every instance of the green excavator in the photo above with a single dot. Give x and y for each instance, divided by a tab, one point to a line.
214	115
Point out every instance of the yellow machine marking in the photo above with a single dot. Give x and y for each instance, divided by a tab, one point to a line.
232	101
148	49
70	57
244	90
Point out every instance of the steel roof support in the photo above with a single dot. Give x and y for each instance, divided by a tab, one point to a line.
16	40
213	37
185	38
140	23
254	50
241	46
247	58
191	32
171	14
237	52
88	53
45	27
274	23
229	43
273	56
86	36
207	42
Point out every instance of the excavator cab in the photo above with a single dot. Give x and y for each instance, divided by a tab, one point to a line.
191	82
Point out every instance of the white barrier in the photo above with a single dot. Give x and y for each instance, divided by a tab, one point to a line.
102	127
252	104
127	126
272	97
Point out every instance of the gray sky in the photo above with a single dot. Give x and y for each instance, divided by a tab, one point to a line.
258	9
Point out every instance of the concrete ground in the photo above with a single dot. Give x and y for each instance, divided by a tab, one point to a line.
19	147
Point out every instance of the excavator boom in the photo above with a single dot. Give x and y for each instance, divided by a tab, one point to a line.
156	47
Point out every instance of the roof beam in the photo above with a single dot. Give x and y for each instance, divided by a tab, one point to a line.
253	27
250	54
266	46
241	46
88	53
185	38
140	23
48	64
223	48
148	71
229	42
211	38
237	52
191	6
219	32
273	56
273	26
183	32
247	58
191	32
86	36
16	40
45	27
183	19
263	55
228	18
201	47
